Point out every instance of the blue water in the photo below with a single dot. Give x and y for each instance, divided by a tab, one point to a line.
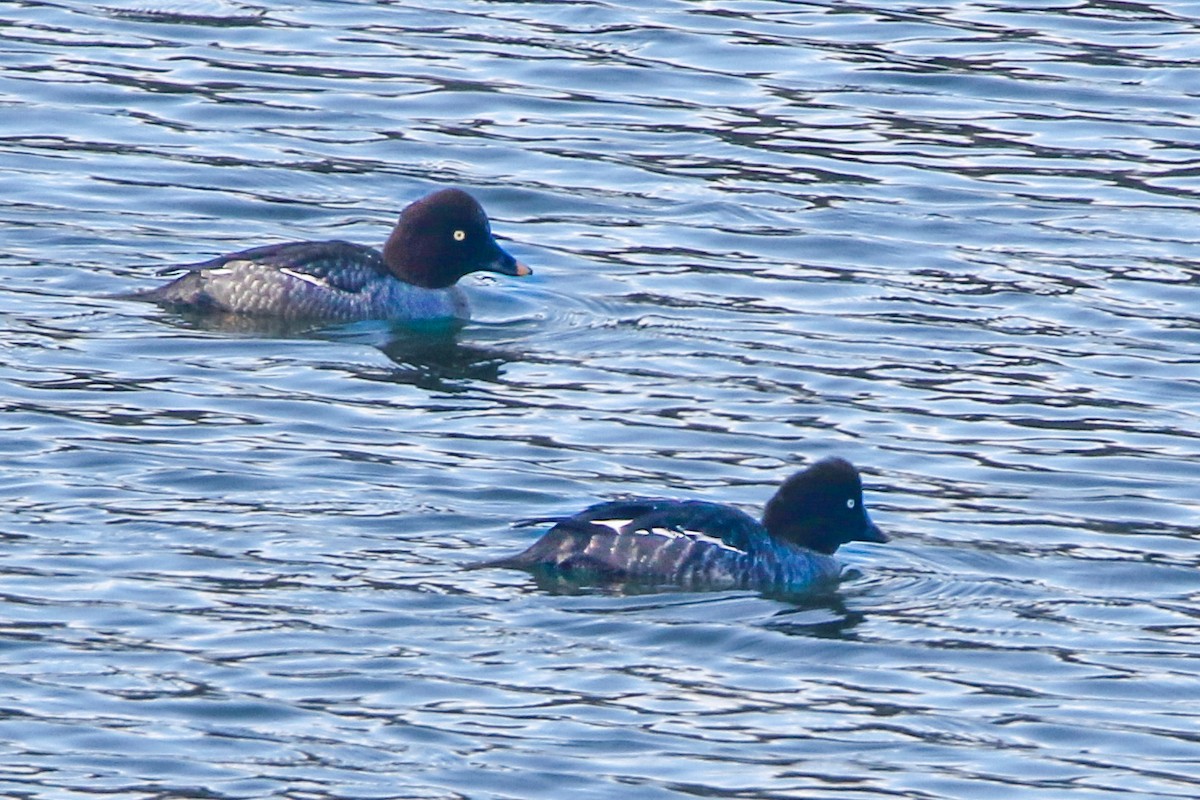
954	243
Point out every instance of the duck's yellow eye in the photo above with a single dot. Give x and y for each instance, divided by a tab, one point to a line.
459	235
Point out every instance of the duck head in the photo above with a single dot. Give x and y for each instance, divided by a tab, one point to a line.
821	508
442	237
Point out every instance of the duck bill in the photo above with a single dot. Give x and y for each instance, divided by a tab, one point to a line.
505	264
871	532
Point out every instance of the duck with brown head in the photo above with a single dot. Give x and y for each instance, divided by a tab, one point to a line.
437	240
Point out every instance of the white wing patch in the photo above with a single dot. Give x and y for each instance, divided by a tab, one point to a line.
230	267
304	276
669	533
698	536
615	524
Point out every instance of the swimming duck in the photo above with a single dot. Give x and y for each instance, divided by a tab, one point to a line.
437	240
700	544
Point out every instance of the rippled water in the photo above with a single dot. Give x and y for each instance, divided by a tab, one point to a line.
954	243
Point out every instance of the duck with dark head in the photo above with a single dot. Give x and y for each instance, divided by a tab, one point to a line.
700	544
437	240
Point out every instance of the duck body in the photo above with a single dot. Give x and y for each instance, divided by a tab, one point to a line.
689	543
701	544
333	281
436	241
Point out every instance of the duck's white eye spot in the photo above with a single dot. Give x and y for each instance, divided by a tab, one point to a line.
851	503
459	235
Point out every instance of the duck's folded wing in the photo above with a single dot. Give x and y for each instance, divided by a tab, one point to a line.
577	549
340	265
651	539
702	520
